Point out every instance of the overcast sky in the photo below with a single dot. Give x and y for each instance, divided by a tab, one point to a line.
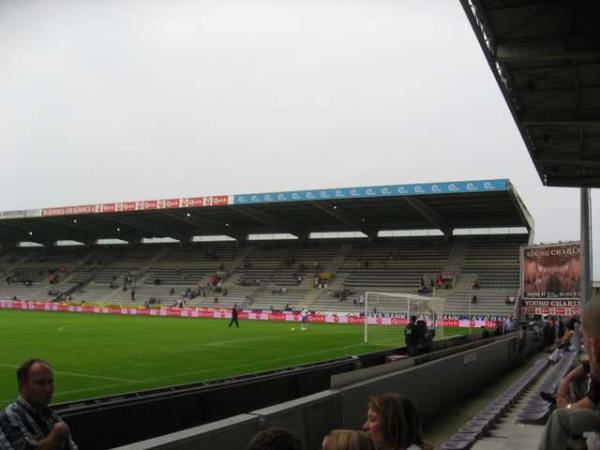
106	101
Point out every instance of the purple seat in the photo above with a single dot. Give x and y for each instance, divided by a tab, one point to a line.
459	441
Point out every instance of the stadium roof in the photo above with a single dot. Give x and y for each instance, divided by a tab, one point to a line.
545	56
444	206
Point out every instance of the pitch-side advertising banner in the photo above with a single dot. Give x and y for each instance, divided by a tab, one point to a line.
214	313
551	272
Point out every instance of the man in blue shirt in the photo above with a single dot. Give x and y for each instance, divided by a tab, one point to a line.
28	423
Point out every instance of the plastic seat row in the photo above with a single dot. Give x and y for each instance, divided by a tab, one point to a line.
537	410
485	420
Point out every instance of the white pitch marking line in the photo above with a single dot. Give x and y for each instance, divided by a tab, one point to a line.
261	338
239	366
77	374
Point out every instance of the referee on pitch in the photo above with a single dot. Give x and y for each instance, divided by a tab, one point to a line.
234	316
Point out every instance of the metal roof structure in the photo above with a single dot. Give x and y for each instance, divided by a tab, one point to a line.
545	56
443	206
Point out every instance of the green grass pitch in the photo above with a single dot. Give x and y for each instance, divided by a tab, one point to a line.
97	355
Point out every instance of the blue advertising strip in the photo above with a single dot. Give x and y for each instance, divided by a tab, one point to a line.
456	187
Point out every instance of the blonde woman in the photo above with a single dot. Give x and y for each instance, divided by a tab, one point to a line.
347	440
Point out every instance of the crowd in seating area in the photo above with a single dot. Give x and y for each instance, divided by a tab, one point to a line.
252	273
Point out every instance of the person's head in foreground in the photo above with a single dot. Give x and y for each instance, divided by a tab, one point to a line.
275	439
347	440
590	322
393	422
36	382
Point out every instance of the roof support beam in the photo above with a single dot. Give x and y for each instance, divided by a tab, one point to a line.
573	181
558	157
548	49
26	233
346	218
74	232
534	117
145	230
428	213
208	226
9	235
202	224
269	219
236	234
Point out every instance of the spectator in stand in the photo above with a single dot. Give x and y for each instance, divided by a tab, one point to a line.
275	439
573	419
393	423
28	423
564	342
569	392
347	440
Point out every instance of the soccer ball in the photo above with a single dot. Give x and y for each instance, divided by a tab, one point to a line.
293	329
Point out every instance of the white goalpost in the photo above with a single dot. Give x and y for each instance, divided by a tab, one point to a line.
387	313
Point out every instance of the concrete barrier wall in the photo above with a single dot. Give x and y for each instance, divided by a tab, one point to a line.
432	386
310	418
232	433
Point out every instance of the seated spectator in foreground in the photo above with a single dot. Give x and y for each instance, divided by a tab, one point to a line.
572	419
394	423
347	440
569	393
28	422
275	439
564	342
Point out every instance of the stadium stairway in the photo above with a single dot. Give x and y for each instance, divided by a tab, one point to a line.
456	257
143	271
508	422
238	261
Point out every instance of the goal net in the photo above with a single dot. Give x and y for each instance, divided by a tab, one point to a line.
387	314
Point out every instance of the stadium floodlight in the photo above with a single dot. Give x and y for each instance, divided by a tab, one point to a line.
387	313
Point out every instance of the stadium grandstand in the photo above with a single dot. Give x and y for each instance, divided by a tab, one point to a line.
304	268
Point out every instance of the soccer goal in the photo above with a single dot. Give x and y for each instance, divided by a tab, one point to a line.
388	313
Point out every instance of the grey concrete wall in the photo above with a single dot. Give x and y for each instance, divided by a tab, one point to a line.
310	418
433	387
232	433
